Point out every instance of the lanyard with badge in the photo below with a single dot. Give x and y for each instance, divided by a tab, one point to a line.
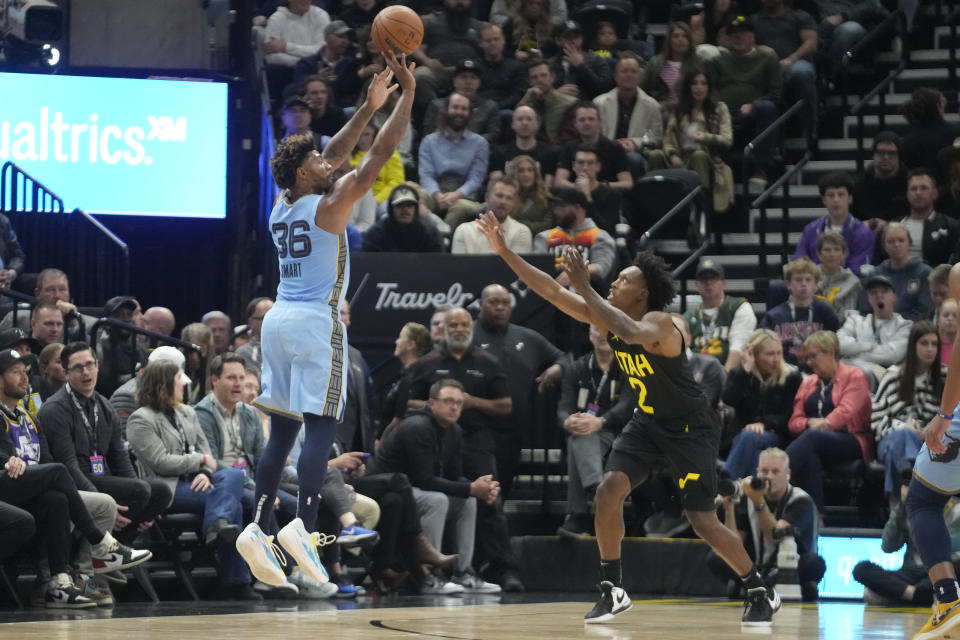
96	460
593	407
185	447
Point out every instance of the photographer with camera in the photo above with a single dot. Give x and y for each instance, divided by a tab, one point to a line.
763	510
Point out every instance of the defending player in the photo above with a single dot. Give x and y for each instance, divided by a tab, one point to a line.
672	418
936	477
303	340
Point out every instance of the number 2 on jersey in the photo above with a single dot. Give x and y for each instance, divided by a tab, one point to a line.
299	245
637	383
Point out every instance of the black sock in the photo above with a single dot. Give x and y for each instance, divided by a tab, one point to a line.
752	580
946	590
610	571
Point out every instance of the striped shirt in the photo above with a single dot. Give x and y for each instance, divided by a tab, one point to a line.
891	413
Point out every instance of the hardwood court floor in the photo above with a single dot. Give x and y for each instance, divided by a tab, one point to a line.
452	619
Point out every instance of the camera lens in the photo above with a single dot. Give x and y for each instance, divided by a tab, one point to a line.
758	483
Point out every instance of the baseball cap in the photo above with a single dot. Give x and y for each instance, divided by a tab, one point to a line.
170	354
337	28
568	195
468	65
404	194
295	101
10	357
10	338
709	266
567	28
878	279
739	23
116	303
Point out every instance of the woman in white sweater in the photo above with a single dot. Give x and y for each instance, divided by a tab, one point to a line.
906	399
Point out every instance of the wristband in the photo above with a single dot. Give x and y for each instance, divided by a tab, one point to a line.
760	507
946	416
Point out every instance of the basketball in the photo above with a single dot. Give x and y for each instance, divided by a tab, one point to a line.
398	29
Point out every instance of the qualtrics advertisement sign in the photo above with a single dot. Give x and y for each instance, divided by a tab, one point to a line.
118	145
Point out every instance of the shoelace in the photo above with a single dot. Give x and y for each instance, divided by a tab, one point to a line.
278	556
322	539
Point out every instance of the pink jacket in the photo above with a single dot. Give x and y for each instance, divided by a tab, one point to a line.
851	402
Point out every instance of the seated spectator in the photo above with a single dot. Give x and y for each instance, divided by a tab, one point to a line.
124	400
836	192
52	286
52	374
117	349
947	326
403	228
449	36
502	11
502	201
336	61
792	34
221	328
928	131
802	315
843	24
159	320
296	118
642	131
720	325
934	236
11	254
939	283
426	446
46	325
551	105
453	160
908	584
575	229
525	124
389	177
197	365
438	327
749	82
698	132
326	118
256	310
534	208
661	80
876	340
33	482
614	167
760	390
592	411
949	158
529	29
708	29
909	275
84	435
577	72
413	343
502	78
707	371
605	41
838	286
484	113
778	504
906	399
831	416
879	193
293	32
170	446
605	201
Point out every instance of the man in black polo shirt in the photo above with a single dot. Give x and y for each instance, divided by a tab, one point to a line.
83	431
502	79
525	124
615	169
487	404
534	364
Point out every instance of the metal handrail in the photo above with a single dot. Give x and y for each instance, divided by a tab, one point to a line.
880	93
763	135
111	236
862	45
687	199
686	264
38	193
761	202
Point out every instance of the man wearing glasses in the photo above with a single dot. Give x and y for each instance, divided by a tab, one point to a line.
83	432
879	194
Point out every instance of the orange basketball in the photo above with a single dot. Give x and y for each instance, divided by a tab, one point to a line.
397	28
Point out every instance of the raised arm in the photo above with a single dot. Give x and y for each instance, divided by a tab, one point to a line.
655	327
333	211
543	284
342	144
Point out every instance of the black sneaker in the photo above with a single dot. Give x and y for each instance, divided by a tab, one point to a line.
575	525
613	601
759	607
110	556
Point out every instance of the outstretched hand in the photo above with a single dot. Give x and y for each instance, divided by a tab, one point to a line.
402	70
577	269
933	434
380	89
490	227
